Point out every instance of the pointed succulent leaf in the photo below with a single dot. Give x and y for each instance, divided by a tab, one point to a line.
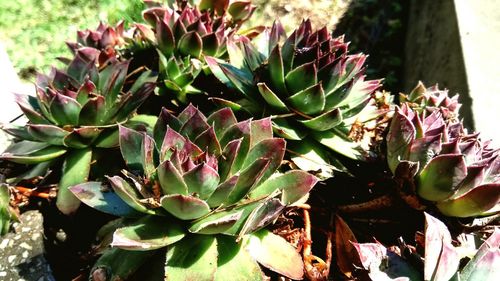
201	180
81	137
287	129
98	197
93	112
185	207
164	37
234	262
441	258
221	120
111	80
148	233
275	253
271	98
209	142
238	130
109	138
482	266
260	130
216	223
47	133
28	152
130	147
294	184
75	170
160	128
310	100
119	264
194	126
35	117
240	79
373	256
65	110
473	203
190	44
222	192
193	258
211	44
401	134
127	193
301	77
422	150
247	179
325	121
441	177
271	149
171	180
262	215
276	71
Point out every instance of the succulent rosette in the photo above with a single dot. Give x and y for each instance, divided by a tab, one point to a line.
430	99
203	183
310	85
74	111
182	36
451	168
107	39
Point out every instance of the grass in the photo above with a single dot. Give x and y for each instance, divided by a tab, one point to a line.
34	32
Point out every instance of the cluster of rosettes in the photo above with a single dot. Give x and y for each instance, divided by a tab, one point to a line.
452	168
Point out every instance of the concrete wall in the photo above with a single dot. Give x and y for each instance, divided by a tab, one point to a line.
456	43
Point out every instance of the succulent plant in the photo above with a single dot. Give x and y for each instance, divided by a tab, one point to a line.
455	170
74	111
310	85
205	183
430	99
6	214
183	35
105	38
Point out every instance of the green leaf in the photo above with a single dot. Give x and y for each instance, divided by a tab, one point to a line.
222	192
119	264
5	215
216	223
260	130
191	44
288	130
171	180
276	71
47	133
270	149
473	203
301	77
234	262
201	180
271	98
192	258
81	137
95	195
325	121
247	179
75	170
164	37
261	216
148	233
401	134
275	253
130	147
294	184
109	138
338	142
28	152
221	120
310	100
111	80
441	177
65	110
128	194
185	207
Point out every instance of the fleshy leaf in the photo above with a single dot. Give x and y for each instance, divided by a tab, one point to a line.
441	177
483	267
473	203
148	233
310	100
234	262
275	253
95	195
193	258
216	223
118	264
294	184
171	180
76	168
28	152
325	121
47	133
185	207
191	44
301	77
271	98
